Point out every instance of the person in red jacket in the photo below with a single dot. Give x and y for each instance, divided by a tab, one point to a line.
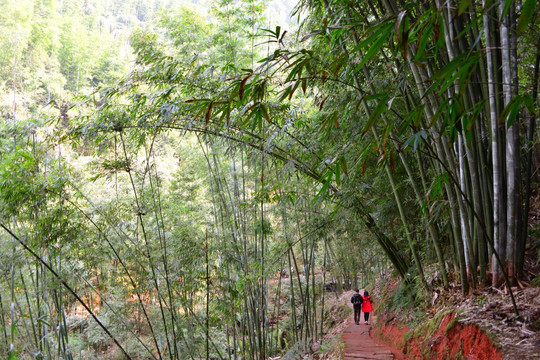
366	306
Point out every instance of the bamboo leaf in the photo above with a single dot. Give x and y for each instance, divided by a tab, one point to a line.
293	89
208	112
310	35
326	179
455	69
286	92
435	211
324	76
282	36
344	166
241	88
322	102
401	30
390	102
437	186
416	139
374	42
256	113
375	96
274	33
327	122
463	5
507	4
423	41
265	113
529	103
227	113
527	12
397	24
338	63
417	115
298	64
421	135
440	111
375	47
379	109
510	112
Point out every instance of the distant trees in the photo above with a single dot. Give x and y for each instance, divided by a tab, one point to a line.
55	50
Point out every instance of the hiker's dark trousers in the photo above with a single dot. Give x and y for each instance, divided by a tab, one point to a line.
366	316
357	312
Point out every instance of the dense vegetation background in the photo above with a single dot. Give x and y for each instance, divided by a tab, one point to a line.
184	182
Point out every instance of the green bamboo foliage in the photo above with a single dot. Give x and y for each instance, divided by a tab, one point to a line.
445	75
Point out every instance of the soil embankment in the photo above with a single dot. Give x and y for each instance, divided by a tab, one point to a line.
446	339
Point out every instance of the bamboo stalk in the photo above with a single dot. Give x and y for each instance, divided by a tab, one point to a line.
62	281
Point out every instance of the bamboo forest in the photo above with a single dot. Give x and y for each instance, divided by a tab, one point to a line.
219	179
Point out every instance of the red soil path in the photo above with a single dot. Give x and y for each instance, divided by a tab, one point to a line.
359	344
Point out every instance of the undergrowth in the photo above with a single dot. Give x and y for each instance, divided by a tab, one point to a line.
405	300
334	348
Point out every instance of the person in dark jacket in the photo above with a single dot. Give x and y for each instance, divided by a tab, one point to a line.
366	306
357	305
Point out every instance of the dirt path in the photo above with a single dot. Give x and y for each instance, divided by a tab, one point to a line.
358	342
359	345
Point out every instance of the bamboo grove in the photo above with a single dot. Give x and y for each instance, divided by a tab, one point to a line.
434	88
203	205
